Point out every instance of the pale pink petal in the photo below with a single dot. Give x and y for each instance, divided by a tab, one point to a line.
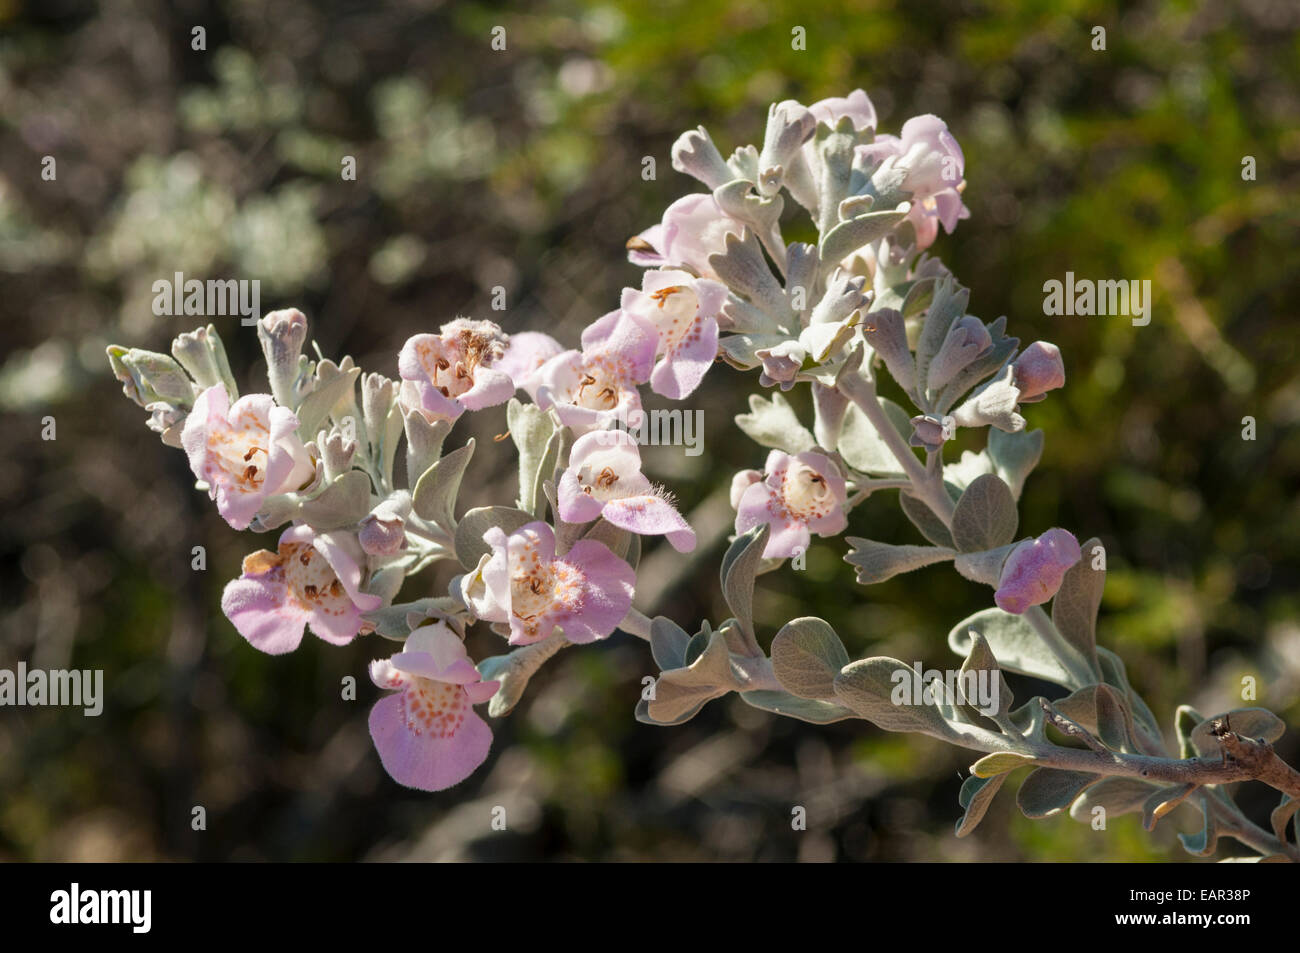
431	760
651	516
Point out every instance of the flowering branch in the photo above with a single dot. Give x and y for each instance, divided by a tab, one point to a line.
558	565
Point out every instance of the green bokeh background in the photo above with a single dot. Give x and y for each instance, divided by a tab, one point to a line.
523	168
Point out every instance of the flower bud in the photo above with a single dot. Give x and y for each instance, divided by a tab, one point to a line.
282	334
1033	572
1037	370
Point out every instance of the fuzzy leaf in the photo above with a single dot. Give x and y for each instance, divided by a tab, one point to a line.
867	685
435	494
923	518
469	531
342	503
875	562
1118	795
847	237
1048	791
739	566
1248	722
985	517
317	405
806	657
1075	605
1017	647
668	642
531	429
773	423
1015	455
792	706
1000	762
976	796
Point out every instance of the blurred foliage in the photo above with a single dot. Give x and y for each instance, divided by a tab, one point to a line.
522	168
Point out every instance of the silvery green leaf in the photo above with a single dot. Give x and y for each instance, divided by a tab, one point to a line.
867	686
847	237
975	797
762	213
1014	456
1000	762
1101	710
875	562
1162	801
681	690
1254	723
149	377
741	350
988	363
961	473
801	272
344	502
739	566
743	269
744	164
861	445
984	567
806	657
1048	791
1201	844
386	583
792	706
1281	815
835	147
924	519
1030	720
203	355
276	511
469	531
633	555
435	493
773	423
392	621
1186	718
981	659
985	517
1118	795
1075	605
697	644
514	670
1114	674
534	433
643	714
947	305
695	154
423	444
1015	643
334	388
993	405
668	642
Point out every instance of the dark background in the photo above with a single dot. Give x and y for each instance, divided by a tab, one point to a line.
522	168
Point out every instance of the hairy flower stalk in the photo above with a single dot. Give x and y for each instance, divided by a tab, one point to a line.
558	565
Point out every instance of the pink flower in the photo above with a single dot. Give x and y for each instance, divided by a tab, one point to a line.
1037	370
604	479
312	579
428	735
525	355
1034	570
935	167
684	311
856	105
597	386
245	453
800	495
586	592
455	370
693	228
